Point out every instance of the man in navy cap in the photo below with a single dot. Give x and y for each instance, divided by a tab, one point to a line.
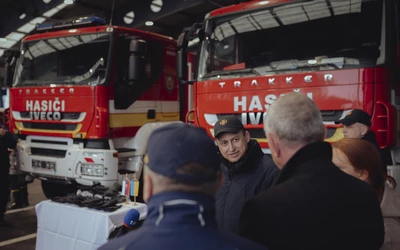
356	125
247	170
181	177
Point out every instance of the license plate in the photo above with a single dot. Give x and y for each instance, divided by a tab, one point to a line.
44	165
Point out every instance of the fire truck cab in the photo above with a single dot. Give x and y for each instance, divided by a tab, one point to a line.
84	98
342	54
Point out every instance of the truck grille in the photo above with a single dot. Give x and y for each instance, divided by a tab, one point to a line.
49	152
50	126
64	115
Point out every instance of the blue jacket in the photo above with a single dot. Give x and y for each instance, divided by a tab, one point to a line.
254	173
178	220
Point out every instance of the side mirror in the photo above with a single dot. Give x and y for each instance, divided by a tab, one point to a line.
9	68
137	62
181	57
8	76
187	35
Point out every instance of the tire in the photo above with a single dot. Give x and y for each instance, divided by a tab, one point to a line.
52	190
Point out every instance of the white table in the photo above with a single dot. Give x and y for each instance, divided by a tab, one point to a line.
66	226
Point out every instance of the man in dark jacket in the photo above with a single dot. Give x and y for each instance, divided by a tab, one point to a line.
181	177
7	141
313	205
246	170
356	125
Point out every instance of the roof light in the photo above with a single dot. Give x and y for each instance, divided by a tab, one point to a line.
149	23
129	17
15	36
22	16
68	1
156	5
71	23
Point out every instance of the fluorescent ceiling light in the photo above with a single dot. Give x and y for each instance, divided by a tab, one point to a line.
51	12
346	6
265	19
156	5
26	28
317	10
15	36
2	39
7	44
149	23
38	20
291	15
68	1
54	10
129	17
22	16
29	27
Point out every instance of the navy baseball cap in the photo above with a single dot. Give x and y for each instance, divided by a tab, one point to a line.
175	145
355	115
227	124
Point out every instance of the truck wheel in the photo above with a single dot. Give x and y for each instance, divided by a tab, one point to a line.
52	190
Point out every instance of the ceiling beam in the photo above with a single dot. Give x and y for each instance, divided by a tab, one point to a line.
143	11
9	18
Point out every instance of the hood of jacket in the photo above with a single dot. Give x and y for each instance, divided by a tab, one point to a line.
390	203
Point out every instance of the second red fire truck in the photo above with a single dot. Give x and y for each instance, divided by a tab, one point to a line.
342	54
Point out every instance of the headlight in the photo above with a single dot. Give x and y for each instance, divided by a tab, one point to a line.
93	154
96	170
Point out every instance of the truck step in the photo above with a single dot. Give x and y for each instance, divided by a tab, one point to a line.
125	152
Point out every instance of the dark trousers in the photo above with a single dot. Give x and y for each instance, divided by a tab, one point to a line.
4	194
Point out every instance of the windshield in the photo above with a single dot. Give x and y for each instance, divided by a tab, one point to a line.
79	60
310	35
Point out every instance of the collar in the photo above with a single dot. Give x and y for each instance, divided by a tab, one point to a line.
181	208
370	136
298	164
252	155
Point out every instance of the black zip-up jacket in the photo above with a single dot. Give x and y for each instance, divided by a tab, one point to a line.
371	137
313	205
7	141
253	173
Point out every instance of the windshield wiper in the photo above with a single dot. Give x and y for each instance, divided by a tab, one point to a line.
87	75
305	66
231	72
26	83
318	65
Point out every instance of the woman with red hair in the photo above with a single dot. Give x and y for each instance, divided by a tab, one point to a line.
360	159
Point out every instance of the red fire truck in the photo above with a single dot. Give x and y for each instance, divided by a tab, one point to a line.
342	54
84	98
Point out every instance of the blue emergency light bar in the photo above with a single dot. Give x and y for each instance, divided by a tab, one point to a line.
72	23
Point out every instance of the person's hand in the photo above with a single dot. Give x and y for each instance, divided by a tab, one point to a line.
2	132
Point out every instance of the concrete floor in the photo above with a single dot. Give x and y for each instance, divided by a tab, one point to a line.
20	231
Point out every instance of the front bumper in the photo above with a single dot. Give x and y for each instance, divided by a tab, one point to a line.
59	158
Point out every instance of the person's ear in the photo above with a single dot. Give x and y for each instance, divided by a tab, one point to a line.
364	129
247	135
275	147
363	175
